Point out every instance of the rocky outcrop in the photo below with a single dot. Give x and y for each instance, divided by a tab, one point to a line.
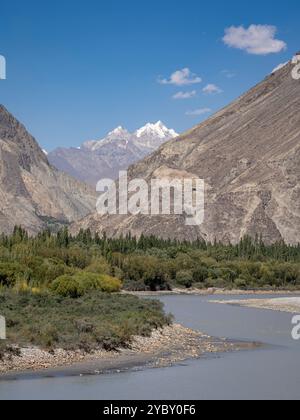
32	192
249	156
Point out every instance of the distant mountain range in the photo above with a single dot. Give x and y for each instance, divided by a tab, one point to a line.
249	156
97	159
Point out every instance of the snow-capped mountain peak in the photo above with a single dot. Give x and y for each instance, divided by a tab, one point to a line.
156	130
105	157
118	132
149	137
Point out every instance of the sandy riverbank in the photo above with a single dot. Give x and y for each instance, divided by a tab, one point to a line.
214	291
165	347
290	304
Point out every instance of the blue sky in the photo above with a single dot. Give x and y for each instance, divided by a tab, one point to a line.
76	70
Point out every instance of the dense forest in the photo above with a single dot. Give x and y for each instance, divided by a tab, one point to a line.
71	266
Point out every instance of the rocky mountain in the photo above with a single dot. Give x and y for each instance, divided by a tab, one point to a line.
152	136
249	156
32	193
104	158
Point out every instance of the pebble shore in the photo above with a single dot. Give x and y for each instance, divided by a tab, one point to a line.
165	347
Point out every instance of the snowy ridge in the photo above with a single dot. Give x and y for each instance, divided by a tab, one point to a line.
149	136
158	129
98	159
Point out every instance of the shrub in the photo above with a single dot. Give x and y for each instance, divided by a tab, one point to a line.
47	270
216	282
11	272
134	286
200	274
82	282
67	286
77	257
49	336
109	284
208	261
149	270
184	278
184	262
240	283
98	266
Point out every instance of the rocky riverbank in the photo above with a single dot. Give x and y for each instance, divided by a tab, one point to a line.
165	347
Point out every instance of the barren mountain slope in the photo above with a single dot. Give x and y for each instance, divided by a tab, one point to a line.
249	156
31	191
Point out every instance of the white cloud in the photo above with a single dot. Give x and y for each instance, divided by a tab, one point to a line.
229	74
182	77
257	39
185	95
279	67
2	68
198	112
211	89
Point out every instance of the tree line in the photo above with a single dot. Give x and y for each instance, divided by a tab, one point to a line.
71	264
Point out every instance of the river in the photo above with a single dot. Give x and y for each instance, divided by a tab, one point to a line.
272	372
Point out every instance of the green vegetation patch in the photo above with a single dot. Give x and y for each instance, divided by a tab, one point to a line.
95	321
71	266
83	282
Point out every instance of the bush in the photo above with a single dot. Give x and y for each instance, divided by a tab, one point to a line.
240	283
184	262
184	278
67	286
134	286
109	284
216	282
78	257
200	274
49	336
11	272
47	270
82	282
98	266
149	270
